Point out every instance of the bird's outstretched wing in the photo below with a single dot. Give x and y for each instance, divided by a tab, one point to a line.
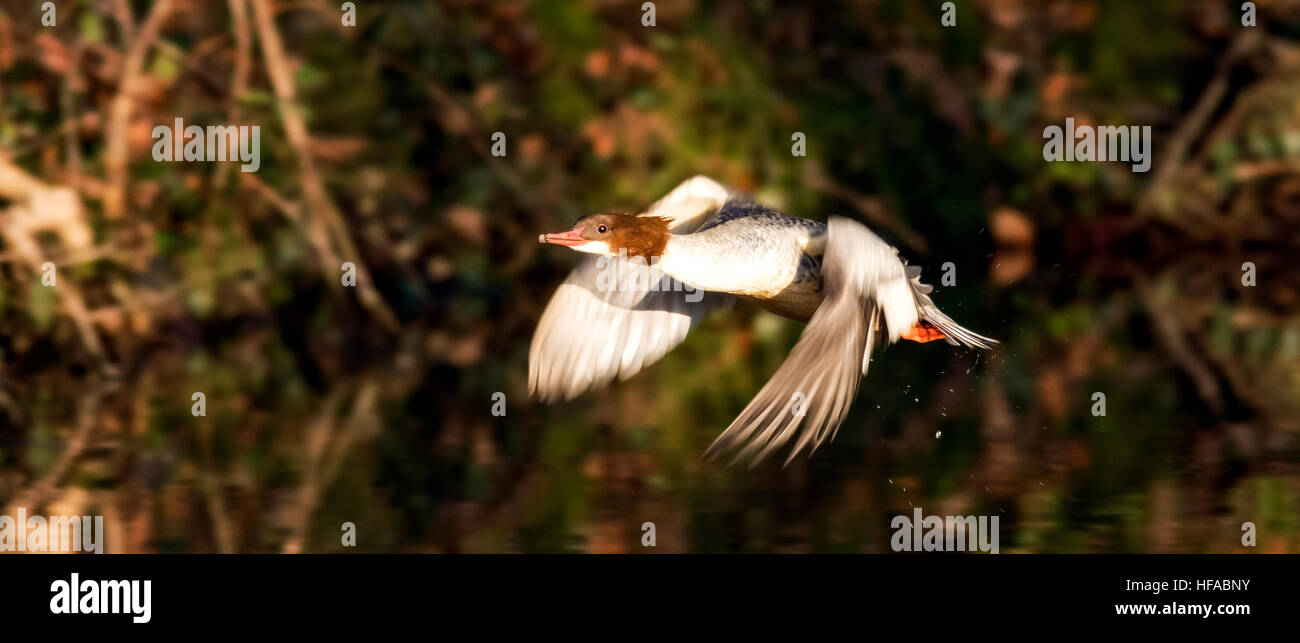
612	317
871	298
689	204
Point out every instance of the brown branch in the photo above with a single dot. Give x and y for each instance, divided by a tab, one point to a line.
1196	121
1174	341
325	451
329	231
119	110
113	250
68	103
210	482
38	206
277	201
34	496
243	54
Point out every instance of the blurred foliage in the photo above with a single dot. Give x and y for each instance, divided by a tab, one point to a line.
372	404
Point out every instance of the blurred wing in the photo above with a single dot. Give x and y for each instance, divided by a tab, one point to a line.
606	321
810	394
690	204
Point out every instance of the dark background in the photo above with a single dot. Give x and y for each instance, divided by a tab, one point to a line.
372	404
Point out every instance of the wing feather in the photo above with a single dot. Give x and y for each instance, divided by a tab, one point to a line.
810	394
871	297
690	204
606	322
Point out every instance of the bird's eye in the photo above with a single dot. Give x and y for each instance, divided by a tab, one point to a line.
601	229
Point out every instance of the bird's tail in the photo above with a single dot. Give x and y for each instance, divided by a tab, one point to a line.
954	333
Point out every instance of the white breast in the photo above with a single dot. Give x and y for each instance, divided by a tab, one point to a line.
738	268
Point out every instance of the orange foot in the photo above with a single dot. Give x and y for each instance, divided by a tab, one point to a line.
922	332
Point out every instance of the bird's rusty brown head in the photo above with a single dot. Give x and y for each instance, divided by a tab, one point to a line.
608	233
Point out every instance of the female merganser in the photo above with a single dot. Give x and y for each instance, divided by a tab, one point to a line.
622	310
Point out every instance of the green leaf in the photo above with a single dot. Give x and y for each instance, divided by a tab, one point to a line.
42	306
91	29
165	68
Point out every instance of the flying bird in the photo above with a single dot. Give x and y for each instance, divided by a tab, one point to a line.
655	275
